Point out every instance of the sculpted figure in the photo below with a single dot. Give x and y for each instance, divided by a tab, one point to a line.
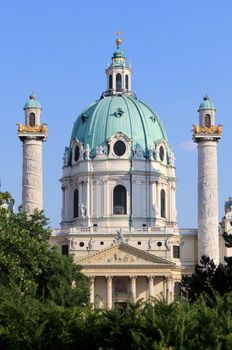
100	152
172	158
119	237
81	152
167	244
83	209
149	243
157	157
138	152
156	209
151	157
90	245
87	152
65	158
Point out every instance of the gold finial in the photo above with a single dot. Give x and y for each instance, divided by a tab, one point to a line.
118	40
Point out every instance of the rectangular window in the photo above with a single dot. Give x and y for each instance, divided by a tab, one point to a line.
64	249
120	285
176	251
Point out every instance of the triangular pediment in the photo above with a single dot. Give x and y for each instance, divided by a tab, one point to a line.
123	254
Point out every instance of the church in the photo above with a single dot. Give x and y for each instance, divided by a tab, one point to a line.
119	215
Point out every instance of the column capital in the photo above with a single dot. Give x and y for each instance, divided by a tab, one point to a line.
108	278
132	277
150	277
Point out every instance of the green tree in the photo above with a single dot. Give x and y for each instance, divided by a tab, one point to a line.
209	278
27	262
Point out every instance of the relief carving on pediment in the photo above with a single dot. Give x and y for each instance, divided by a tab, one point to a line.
117	257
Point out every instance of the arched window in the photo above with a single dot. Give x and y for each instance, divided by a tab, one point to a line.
32	119
127	82
119	200
75	204
76	153
163	204
110	82
207	121
161	153
118	82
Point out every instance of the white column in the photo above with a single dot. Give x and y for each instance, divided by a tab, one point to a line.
172	283
165	288
95	198
174	213
105	197
80	190
158	197
208	238
92	295
133	288
150	286
109	291
32	195
169	207
87	198
169	290
63	189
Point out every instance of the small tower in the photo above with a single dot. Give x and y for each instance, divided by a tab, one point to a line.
32	135
118	73
207	135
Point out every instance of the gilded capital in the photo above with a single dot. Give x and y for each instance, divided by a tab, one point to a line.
213	129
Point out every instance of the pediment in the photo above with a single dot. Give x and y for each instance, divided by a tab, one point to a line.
123	254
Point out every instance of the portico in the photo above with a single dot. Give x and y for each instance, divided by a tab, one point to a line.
123	274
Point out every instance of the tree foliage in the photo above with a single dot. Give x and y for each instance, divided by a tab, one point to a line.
209	278
29	265
29	324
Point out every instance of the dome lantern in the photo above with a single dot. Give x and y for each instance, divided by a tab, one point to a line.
206	112
118	73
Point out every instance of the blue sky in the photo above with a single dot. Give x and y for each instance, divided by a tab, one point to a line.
179	50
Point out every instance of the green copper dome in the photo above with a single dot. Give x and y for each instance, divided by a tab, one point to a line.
118	113
32	102
206	104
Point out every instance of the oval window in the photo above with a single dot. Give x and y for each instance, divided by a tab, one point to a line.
119	148
76	154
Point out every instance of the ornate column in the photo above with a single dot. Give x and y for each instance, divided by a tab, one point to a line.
92	296
207	135
133	288
150	286
32	135
109	291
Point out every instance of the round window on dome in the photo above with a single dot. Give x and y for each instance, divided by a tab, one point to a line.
119	148
76	153
161	153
